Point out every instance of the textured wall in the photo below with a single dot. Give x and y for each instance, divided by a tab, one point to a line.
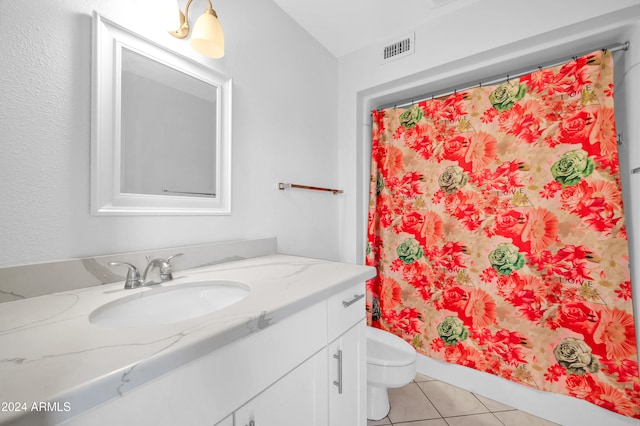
284	128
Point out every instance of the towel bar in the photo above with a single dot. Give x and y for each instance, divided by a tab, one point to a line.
283	186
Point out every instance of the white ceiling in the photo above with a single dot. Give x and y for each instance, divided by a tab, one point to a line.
344	26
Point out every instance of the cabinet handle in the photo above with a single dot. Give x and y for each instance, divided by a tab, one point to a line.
356	297
338	382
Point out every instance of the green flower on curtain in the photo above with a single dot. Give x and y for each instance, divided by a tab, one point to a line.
409	251
452	331
575	356
572	167
452	179
506	95
506	258
410	117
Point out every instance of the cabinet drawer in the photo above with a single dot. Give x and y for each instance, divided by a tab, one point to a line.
345	309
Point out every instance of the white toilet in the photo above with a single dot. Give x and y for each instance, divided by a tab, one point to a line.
391	363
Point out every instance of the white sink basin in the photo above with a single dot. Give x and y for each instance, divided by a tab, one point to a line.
168	305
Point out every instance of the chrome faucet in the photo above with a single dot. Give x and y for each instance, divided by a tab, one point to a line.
165	267
134	280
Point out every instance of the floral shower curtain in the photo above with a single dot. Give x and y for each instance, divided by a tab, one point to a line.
497	228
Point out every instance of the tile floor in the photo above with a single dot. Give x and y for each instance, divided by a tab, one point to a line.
429	402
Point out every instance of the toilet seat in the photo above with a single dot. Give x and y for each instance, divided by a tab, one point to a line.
388	350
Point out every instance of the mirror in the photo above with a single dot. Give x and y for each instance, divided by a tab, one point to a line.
161	129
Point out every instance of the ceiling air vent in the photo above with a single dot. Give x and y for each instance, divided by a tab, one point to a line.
399	48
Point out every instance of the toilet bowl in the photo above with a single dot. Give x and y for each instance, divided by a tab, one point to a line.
391	363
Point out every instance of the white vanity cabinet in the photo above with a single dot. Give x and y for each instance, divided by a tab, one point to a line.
330	387
280	375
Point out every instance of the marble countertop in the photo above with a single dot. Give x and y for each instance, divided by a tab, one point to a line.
51	353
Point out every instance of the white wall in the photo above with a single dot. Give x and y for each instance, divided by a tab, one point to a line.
488	39
285	85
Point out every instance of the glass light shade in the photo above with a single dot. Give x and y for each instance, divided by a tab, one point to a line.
207	37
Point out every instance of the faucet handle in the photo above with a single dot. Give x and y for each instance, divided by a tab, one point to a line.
175	255
133	279
166	269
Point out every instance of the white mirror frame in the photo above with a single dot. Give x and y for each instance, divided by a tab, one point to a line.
106	199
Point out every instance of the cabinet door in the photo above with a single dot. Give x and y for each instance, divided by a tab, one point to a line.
347	378
299	398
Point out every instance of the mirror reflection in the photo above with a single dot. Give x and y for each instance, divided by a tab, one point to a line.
168	130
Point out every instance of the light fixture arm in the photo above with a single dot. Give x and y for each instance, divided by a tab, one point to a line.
183	30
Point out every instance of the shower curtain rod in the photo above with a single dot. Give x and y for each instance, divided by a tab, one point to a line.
613	48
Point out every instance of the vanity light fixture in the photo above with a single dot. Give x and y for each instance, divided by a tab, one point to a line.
207	37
